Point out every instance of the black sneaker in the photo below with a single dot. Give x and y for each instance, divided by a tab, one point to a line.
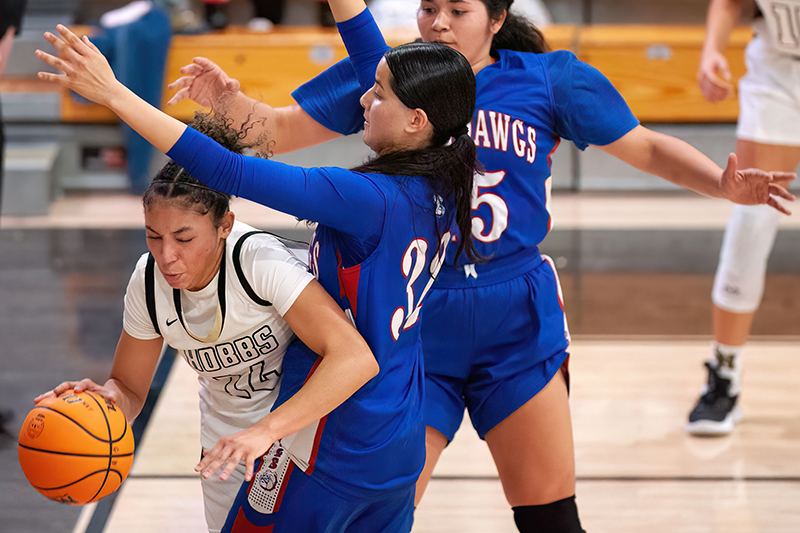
716	413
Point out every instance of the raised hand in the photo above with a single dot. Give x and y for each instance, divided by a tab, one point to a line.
205	83
86	70
754	187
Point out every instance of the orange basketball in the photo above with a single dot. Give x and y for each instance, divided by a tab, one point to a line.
76	448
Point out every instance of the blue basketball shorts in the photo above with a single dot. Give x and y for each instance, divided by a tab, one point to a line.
281	498
491	348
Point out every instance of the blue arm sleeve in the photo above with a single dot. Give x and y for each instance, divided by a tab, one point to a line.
338	198
588	108
333	97
365	44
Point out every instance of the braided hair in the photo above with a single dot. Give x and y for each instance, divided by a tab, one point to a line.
174	183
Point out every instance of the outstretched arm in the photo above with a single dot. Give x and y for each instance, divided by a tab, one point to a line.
87	72
714	75
347	364
684	165
289	189
289	128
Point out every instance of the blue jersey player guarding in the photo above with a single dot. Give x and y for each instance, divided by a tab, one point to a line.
494	334
383	230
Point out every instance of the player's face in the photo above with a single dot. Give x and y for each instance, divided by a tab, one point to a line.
461	24
185	244
384	114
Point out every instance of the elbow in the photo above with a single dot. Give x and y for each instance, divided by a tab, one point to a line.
368	366
373	368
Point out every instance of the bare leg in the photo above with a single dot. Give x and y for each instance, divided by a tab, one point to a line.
738	286
731	328
435	443
533	448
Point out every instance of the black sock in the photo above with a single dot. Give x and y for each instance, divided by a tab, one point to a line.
556	517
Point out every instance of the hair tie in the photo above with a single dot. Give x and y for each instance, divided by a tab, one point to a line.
463	130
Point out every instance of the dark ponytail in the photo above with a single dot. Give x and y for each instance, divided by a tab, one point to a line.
521	35
517	33
440	81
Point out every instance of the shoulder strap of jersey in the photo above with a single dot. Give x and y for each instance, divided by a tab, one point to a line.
237	265
150	290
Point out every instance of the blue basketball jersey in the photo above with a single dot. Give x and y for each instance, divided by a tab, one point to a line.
526	103
377	437
376	250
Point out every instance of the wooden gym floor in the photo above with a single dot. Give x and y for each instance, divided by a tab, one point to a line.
636	272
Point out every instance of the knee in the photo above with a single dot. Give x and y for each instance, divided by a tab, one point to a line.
557	517
739	281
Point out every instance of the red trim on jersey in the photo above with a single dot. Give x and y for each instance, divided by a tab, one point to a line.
348	282
320	427
315	448
549	261
313	369
550	155
550	165
243	525
284	484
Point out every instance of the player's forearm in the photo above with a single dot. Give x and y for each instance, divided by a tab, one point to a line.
126	400
339	375
274	130
135	362
669	158
160	129
346	9
723	16
684	165
240	109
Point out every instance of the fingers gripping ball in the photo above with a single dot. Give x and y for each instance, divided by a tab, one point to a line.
76	448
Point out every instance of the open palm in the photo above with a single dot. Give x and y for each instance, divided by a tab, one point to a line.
205	83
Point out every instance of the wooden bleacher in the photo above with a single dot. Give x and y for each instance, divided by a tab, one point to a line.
654	67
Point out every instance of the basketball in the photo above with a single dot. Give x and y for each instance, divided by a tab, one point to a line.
76	448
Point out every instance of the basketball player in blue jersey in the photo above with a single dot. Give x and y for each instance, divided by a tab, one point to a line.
495	341
225	296
382	235
768	136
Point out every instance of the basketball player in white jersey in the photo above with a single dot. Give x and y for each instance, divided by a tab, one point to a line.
768	137
228	298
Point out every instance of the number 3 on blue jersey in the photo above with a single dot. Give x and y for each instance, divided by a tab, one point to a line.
414	262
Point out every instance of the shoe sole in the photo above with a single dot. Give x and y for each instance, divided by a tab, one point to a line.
711	428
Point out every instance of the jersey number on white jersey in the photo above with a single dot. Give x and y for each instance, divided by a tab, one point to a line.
255	380
783	20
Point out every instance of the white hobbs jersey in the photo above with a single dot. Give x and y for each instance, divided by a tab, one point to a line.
780	26
239	373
